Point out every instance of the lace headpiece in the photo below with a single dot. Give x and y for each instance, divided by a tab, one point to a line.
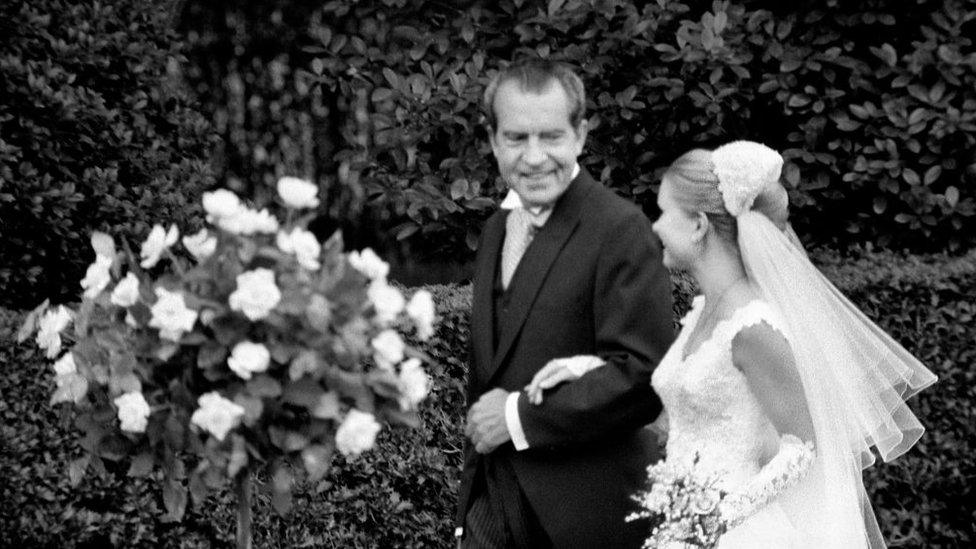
744	169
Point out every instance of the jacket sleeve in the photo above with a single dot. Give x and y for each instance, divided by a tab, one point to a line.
633	323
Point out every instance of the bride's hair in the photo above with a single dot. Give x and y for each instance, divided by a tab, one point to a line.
695	185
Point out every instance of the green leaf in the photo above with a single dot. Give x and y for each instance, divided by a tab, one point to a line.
307	362
71	388
281	499
392	78
911	176
263	385
932	174
174	499
304	392
238	456
407	418
77	468
166	350
253	408
141	465
29	326
880	204
113	447
459	188
799	100
554	6
211	354
381	94
952	196
327	406
317	460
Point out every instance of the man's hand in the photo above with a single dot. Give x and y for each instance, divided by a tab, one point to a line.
486	425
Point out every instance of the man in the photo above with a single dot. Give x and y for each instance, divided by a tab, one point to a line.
572	269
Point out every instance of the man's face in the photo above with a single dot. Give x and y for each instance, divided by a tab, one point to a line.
534	143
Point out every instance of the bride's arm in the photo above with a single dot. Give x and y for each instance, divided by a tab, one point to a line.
560	370
764	356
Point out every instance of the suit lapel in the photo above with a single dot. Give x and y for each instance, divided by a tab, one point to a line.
482	321
534	267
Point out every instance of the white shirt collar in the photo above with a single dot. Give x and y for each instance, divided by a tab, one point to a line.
513	200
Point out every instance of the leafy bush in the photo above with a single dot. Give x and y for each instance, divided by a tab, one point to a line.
873	105
401	494
95	136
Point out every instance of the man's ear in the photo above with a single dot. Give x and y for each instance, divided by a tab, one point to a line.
492	139
581	132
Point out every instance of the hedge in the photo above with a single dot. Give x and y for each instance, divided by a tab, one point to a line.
95	133
872	103
402	493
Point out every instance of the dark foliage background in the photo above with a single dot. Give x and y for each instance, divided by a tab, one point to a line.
93	135
401	494
872	103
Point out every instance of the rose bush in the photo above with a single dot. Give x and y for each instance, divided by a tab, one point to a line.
267	349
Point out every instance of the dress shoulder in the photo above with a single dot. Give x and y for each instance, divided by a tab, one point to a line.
751	314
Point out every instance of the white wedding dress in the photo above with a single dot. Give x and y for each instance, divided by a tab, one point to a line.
712	414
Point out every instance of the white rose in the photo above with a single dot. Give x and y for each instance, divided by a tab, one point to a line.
51	324
414	384
256	294
103	244
387	300
263	222
220	203
247	222
97	277
216	414
298	193
249	358
65	365
357	433
303	245
126	292
156	243
171	315
133	412
200	244
370	264
388	349
421	310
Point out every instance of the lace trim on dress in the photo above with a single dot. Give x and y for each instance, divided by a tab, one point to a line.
750	314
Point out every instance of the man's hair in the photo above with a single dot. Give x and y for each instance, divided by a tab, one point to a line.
535	76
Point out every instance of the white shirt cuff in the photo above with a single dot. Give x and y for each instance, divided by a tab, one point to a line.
514	423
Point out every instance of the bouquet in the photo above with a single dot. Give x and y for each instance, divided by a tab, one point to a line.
247	345
688	507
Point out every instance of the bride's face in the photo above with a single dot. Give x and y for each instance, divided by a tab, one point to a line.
677	229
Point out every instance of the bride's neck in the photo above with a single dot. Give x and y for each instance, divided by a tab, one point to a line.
719	268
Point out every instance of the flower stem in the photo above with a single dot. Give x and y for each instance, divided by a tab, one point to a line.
242	489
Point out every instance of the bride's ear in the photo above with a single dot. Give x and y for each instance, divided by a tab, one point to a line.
700	229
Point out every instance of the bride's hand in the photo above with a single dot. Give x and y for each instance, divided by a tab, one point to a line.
558	371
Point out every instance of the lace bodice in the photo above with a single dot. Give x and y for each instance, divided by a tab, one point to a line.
710	409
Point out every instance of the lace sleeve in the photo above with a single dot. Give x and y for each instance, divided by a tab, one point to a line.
753	314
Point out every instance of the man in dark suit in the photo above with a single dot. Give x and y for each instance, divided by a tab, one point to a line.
568	269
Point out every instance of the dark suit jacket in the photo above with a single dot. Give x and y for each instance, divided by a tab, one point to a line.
591	282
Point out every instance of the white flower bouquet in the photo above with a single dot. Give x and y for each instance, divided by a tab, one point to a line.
248	344
687	507
683	507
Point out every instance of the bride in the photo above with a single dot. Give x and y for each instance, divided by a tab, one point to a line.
769	353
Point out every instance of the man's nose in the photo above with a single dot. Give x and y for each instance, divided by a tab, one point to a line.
534	153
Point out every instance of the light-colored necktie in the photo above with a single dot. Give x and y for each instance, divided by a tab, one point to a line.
519	231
